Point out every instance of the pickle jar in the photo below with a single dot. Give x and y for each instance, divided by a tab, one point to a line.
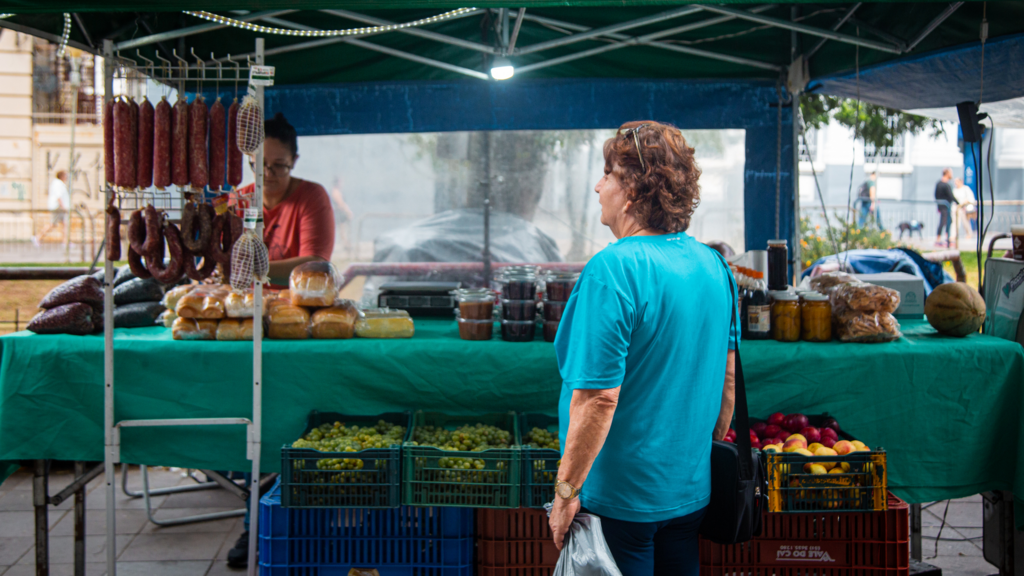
786	317
816	318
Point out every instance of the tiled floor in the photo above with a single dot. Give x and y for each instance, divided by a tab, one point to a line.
145	549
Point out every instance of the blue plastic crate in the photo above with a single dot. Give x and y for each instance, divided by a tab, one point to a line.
405	541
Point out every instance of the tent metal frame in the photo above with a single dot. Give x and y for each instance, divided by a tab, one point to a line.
611	35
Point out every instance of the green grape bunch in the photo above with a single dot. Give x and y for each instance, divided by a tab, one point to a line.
337	437
540	438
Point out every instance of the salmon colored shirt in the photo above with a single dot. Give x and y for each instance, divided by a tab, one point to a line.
302	225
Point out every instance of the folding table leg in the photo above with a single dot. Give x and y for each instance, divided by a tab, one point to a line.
915	532
39	501
80	522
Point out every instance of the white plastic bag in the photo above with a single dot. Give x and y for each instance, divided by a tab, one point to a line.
585	552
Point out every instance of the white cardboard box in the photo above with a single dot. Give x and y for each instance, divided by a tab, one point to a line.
910	287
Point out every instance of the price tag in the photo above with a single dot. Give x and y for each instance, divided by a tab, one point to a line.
252	217
261	76
220	204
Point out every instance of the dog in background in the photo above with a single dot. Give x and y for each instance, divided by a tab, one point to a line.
909	227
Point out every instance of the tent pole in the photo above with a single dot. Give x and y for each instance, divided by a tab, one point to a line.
110	476
257	350
646	40
197	29
427	34
606	30
835	28
803	28
933	25
794	230
487	209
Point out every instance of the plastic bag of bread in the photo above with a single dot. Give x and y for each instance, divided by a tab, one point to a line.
384	323
234	329
853	326
190	305
170	300
863	297
829	280
166	319
240	305
336	322
288	322
213	305
314	284
194	329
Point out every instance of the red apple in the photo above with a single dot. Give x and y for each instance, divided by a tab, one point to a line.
758	428
829	433
755	443
811	433
729	439
798	422
827	441
772	431
776	419
830	422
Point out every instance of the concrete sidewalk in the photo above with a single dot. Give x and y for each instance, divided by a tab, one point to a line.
200	549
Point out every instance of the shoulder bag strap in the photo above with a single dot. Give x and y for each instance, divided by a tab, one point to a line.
746	460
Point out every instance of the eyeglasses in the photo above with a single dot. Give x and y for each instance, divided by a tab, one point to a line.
276	170
636	141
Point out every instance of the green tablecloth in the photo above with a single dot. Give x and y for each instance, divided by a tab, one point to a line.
948	410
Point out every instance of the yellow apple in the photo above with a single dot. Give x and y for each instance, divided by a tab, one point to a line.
818	469
844	447
814	447
800	436
794	444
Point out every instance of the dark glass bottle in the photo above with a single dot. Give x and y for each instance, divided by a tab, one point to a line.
757	310
778	265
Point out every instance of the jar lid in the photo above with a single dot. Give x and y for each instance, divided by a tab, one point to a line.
471	321
779	242
784	296
815	297
484	297
550	275
518	322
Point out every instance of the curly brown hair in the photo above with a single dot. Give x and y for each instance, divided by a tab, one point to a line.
664	190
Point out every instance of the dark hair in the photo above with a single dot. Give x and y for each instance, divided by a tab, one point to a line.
278	128
664	191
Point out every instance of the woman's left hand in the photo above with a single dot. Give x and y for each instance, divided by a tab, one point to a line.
562	513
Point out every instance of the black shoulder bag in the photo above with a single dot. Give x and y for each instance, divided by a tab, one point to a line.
739	489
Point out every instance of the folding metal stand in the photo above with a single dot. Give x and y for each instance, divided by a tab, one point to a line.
219	481
112	427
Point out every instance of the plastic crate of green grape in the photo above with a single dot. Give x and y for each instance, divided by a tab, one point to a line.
469	461
344	461
541	457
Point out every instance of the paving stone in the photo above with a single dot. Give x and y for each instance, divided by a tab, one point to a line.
153	547
163	568
215	498
91	569
21	500
62	550
969	565
12	549
221	568
126	522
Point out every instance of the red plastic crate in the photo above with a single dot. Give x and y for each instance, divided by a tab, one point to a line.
514	571
829	544
516	542
513	524
516	553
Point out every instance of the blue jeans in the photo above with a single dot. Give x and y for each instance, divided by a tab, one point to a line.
667	548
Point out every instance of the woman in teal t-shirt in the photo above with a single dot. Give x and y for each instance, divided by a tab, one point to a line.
644	353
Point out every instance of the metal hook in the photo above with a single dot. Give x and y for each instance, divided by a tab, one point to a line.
201	66
238	73
220	72
150	67
166	68
184	69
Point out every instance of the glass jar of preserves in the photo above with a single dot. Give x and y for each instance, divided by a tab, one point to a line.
816	318
786	317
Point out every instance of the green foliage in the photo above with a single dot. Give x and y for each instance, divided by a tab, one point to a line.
875	125
816	242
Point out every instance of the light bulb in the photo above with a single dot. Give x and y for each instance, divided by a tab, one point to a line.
502	69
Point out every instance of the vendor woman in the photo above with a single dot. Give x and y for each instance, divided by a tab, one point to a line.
297	214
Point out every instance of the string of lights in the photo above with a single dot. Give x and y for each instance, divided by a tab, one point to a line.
64	37
324	33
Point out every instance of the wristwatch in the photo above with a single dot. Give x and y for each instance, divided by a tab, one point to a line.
566	491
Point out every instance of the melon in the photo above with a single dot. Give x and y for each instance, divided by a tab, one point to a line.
955	309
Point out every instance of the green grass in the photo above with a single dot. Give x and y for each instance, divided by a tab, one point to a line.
970	261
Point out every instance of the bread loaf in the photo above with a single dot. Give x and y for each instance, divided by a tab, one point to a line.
336	322
235	329
286	322
194	329
314	284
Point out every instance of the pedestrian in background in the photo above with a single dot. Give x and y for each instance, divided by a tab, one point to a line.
58	202
968	211
945	200
867	195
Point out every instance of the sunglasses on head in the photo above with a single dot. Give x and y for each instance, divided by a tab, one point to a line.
636	141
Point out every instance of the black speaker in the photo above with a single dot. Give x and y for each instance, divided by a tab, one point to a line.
970	121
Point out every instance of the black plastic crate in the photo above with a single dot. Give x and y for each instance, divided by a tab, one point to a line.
492	481
372	477
540	465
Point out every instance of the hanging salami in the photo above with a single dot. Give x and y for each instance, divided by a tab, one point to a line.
162	144
144	157
179	143
197	152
